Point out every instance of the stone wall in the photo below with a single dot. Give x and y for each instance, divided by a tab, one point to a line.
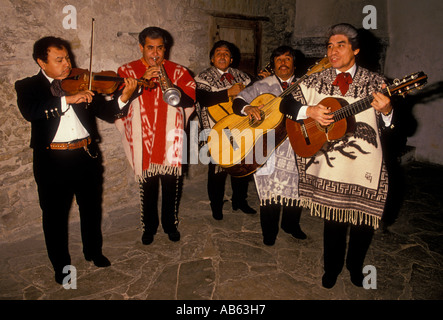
117	24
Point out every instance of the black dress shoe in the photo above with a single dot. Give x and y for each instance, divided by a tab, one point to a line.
357	279
174	236
243	207
217	212
328	280
147	238
99	260
297	233
269	241
59	276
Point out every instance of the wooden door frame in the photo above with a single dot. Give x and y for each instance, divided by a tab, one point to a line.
240	22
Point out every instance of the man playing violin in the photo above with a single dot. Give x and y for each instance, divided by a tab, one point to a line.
153	133
216	85
67	159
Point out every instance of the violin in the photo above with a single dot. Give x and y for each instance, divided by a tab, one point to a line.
102	82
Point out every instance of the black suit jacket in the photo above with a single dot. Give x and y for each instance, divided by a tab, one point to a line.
43	110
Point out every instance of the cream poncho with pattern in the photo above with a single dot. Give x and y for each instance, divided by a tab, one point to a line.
346	180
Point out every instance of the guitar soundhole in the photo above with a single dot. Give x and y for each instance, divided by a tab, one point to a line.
324	129
255	123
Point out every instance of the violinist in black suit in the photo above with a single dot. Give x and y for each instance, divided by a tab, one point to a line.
67	159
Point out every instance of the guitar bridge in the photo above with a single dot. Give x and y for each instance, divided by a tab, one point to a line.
305	134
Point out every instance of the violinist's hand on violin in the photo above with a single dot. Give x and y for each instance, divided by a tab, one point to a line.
151	72
130	86
82	96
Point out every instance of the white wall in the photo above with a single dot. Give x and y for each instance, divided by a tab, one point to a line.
413	31
416	32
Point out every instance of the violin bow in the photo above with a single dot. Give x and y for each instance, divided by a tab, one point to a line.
90	58
90	55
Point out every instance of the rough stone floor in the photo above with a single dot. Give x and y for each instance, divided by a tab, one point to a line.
227	260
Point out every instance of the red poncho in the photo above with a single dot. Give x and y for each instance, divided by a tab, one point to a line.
153	131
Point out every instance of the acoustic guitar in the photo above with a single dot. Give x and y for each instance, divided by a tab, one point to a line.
223	109
308	137
241	145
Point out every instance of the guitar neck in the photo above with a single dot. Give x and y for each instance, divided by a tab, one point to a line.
354	108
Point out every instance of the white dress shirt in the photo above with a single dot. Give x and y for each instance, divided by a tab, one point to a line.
70	128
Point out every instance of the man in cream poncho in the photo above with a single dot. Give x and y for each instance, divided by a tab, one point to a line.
346	181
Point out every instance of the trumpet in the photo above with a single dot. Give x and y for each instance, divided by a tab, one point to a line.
171	95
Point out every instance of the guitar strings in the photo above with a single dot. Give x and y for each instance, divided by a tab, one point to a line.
349	109
269	107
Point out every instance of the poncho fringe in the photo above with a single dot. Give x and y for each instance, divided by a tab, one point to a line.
158	169
355	217
281	200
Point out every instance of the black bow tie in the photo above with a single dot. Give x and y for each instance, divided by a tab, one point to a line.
56	88
284	85
227	76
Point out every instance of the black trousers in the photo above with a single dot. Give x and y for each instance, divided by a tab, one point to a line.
60	175
216	187
270	217
171	187
335	244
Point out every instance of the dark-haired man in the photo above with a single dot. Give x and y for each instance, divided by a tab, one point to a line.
153	132
346	181
67	159
277	181
216	87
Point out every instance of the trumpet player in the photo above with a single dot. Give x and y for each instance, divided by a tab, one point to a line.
153	131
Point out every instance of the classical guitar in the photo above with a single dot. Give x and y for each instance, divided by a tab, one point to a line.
223	109
232	141
308	137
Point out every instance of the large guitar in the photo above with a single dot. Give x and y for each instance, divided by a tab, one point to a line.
241	145
223	109
308	137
